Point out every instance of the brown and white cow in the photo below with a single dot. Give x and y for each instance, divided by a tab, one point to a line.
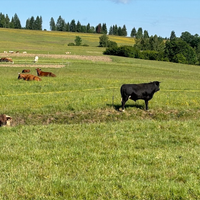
5	120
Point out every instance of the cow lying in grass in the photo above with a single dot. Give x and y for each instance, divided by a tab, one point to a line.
143	91
26	70
5	120
29	77
6	60
41	73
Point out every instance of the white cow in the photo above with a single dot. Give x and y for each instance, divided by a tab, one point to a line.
36	59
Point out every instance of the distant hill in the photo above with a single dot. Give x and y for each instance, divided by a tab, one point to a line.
53	42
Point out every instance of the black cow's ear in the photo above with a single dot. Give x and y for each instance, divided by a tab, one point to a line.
157	83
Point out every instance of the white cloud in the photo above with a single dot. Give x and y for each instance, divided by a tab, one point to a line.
122	1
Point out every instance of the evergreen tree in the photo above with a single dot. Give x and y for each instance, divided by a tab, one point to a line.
146	34
88	28
32	23
2	20
60	25
119	31
52	24
173	35
83	29
139	34
104	29
111	31
16	22
124	31
67	27
133	32
78	27
115	30
38	23
27	23
7	22
72	26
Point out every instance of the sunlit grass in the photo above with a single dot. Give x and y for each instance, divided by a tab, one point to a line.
69	139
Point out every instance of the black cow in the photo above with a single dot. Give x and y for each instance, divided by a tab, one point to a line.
143	91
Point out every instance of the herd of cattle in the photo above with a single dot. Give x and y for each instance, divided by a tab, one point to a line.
30	77
144	91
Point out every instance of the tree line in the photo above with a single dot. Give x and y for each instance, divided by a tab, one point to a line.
60	25
185	49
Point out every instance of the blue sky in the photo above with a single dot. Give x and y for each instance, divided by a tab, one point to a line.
156	16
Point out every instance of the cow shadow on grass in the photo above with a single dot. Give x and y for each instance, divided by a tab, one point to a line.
118	106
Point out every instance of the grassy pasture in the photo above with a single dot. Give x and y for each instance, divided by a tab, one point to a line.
53	42
69	139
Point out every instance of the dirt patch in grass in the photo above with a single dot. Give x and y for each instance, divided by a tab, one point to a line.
77	57
36	66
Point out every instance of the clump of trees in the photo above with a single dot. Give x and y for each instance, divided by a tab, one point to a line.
5	21
185	49
105	42
34	24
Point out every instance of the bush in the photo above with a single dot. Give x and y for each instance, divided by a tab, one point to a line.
71	44
111	44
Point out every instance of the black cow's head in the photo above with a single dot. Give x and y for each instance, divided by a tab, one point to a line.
156	84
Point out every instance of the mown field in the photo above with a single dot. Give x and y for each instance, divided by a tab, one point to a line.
70	140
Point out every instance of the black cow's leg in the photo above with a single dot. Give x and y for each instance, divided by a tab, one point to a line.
146	103
124	100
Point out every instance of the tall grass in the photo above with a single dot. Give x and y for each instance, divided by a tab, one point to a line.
69	139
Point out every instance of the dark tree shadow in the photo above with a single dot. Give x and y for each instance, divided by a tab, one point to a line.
118	106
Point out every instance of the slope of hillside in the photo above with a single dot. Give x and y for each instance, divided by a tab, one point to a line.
53	42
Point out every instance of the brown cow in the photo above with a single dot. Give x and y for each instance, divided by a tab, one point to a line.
29	77
5	59
26	70
5	120
41	73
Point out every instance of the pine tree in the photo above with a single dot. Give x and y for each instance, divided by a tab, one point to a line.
173	35
16	22
2	20
52	24
111	31
139	34
78	27
88	28
72	26
104	29
133	32
124	31
60	25
146	34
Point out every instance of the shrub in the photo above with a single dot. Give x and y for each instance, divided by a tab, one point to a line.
71	44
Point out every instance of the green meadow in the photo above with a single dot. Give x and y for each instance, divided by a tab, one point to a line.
69	138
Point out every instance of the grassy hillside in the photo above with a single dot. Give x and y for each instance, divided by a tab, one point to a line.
52	42
69	139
